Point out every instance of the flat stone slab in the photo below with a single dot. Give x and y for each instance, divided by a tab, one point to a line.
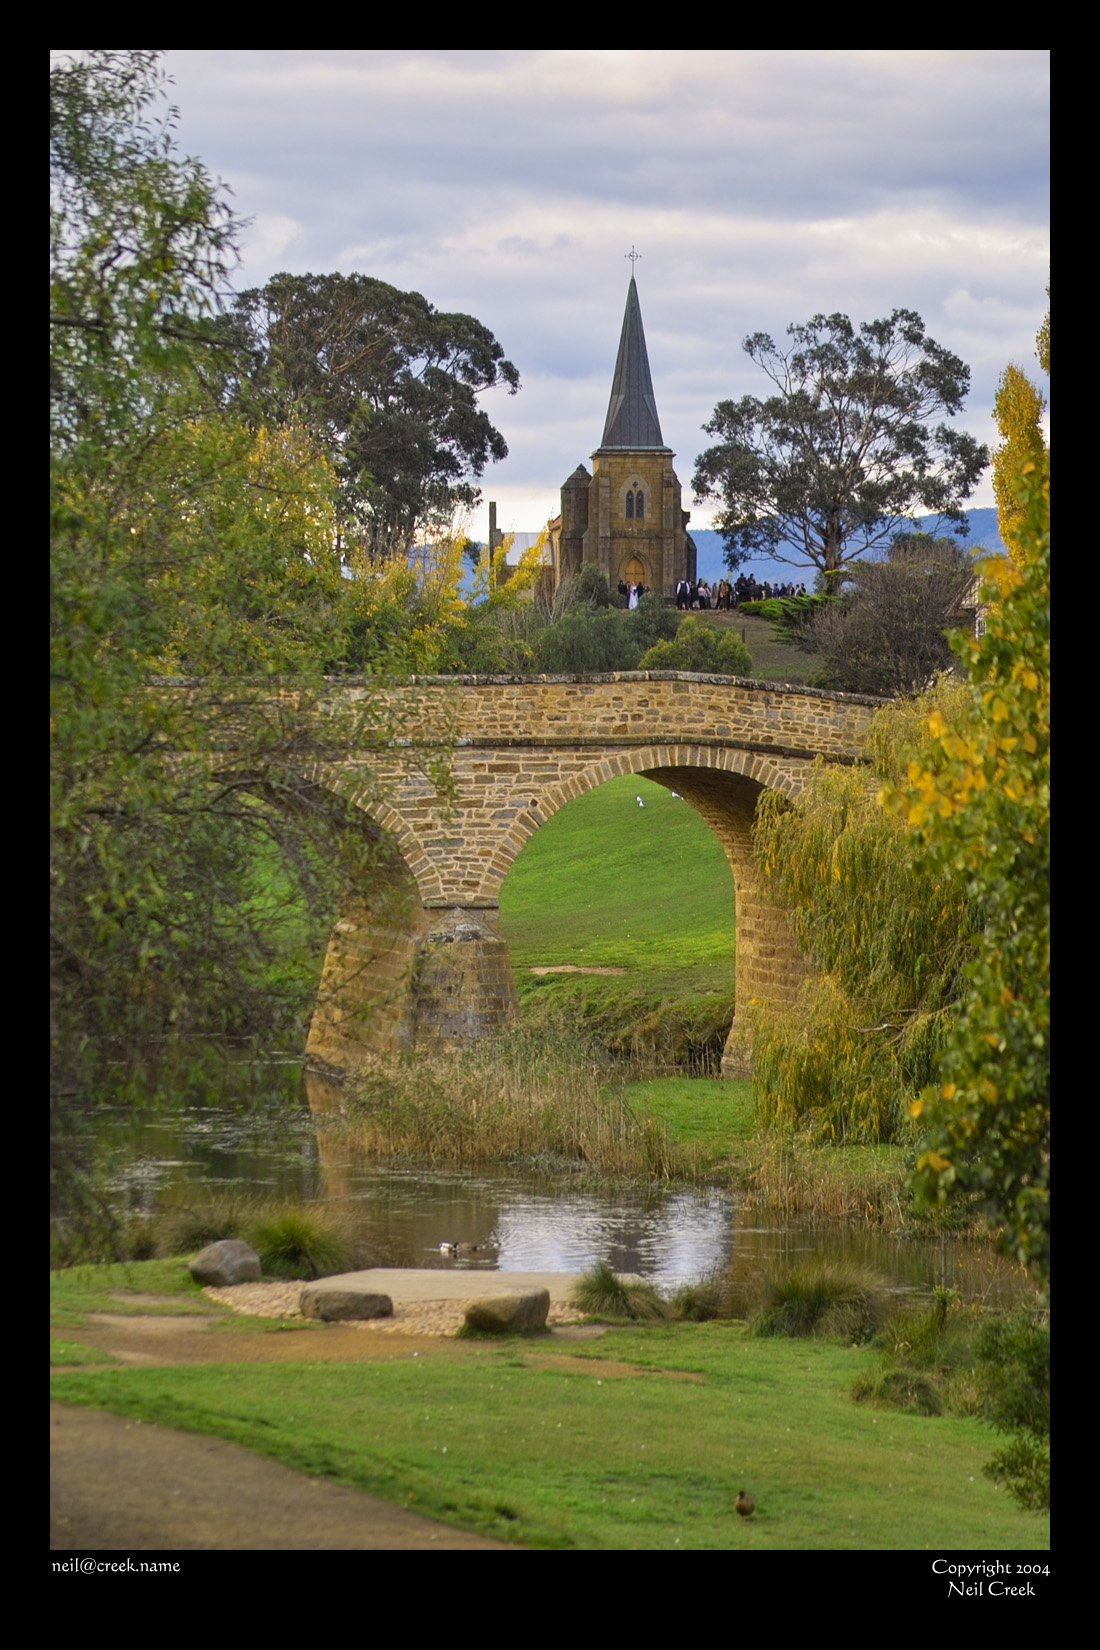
406	1286
334	1302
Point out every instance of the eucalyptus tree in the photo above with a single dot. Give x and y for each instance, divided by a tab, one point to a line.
842	455
390	385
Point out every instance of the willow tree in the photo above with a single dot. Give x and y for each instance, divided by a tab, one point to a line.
889	944
184	543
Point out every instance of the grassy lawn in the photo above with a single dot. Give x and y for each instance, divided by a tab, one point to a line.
605	883
126	1288
637	1441
772	660
641	1439
714	1119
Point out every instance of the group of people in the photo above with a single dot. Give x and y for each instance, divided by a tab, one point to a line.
747	590
690	594
727	595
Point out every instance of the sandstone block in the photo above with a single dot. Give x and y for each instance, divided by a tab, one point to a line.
338	1304
510	1314
226	1262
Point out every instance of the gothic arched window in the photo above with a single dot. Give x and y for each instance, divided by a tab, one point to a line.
629	506
640	511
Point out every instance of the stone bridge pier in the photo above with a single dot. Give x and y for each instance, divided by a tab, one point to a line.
418	961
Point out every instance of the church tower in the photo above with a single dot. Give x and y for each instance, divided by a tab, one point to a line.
626	516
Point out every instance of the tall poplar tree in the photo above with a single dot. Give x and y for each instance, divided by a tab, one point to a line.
1018	410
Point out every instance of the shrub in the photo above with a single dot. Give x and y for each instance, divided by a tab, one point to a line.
652	622
586	640
928	1359
1014	1366
886	633
697	647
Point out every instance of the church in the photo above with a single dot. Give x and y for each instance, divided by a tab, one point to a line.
626	517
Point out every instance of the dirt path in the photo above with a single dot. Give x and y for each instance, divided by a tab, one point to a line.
117	1486
121	1486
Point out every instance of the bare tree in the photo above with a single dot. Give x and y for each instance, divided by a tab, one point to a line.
887	632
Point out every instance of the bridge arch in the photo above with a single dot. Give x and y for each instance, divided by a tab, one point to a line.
661	763
406	845
439	971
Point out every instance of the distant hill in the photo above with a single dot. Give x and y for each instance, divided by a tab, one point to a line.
983	535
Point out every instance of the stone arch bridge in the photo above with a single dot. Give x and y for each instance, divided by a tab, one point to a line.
431	969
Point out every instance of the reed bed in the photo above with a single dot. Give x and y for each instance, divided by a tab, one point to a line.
860	1186
514	1096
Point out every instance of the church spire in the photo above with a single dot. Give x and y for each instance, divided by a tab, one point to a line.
632	422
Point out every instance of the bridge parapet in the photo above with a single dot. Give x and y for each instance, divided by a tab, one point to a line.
664	707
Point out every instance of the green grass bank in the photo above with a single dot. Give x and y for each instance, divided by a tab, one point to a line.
639	1440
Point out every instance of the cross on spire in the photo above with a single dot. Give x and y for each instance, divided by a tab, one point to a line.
633	256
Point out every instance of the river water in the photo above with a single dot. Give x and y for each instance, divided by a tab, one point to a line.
267	1142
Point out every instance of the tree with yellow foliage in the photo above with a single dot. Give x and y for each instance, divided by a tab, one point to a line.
978	795
1018	410
411	610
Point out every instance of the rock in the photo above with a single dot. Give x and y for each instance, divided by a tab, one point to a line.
509	1314
342	1305
224	1263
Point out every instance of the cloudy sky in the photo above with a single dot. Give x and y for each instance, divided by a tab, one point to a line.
759	187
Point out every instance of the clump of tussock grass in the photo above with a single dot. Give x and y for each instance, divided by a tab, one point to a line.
187	1227
834	1300
602	1293
909	1390
703	1299
518	1094
291	1239
298	1243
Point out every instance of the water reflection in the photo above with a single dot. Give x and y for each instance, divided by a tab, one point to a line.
517	1222
271	1144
